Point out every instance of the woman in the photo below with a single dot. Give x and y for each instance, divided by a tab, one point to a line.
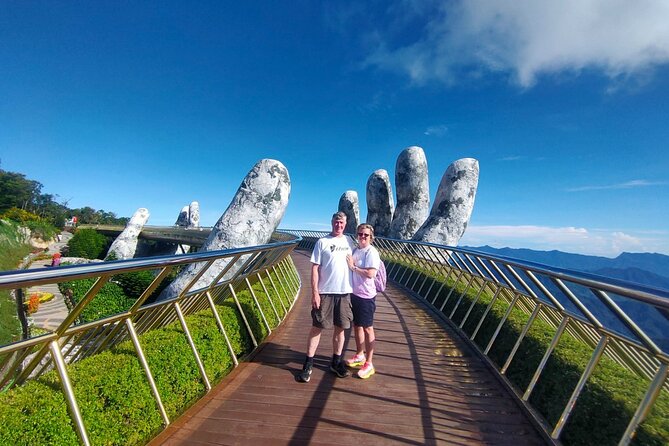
364	263
55	259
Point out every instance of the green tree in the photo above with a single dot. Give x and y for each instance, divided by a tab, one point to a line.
17	191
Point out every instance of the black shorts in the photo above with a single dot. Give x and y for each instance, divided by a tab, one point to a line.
335	309
363	311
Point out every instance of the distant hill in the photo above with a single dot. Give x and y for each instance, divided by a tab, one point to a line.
645	268
635	275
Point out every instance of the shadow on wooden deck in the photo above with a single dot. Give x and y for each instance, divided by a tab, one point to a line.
429	388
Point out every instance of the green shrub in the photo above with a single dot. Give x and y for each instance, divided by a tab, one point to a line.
134	283
42	229
19	215
87	243
35	413
112	391
110	299
12	250
610	397
39	227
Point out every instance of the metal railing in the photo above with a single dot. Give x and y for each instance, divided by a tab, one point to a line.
269	265
626	322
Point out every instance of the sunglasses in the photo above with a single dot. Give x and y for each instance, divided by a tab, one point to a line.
363	235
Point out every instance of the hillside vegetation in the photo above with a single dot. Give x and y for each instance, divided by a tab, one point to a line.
12	250
610	396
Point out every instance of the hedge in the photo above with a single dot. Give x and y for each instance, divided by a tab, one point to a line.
113	394
110	299
610	397
87	243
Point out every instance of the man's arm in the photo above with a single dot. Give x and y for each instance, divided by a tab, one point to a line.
315	297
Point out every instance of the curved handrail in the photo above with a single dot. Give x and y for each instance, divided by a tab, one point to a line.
74	340
595	310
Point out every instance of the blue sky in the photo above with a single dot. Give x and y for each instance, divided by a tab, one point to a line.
121	105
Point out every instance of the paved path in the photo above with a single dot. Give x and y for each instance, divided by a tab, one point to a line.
429	388
50	314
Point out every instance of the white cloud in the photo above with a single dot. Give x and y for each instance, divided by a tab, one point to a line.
626	185
567	239
436	130
524	39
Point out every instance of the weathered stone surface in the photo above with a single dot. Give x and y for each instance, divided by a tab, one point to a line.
453	204
254	213
125	245
380	205
413	193
349	205
194	215
182	219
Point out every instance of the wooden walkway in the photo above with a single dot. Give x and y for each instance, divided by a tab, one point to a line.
429	388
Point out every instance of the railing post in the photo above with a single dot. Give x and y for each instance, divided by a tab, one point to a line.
520	339
278	293
544	360
243	315
255	299
147	370
596	355
501	323
485	313
200	366
21	312
61	368
233	355
646	405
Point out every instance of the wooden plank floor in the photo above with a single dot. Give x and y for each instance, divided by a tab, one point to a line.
429	388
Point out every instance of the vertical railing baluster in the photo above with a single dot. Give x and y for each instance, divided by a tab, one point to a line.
278	296
520	339
72	404
221	328
147	370
255	299
193	348
269	298
501	323
544	360
243	315
646	404
596	355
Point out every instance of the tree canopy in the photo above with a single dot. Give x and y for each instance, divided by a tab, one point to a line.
17	191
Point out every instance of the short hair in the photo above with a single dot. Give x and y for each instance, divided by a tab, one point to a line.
367	226
339	216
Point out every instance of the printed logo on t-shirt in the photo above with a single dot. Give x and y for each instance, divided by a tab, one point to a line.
334	248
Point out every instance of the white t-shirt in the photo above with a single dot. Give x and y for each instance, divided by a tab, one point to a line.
333	274
365	258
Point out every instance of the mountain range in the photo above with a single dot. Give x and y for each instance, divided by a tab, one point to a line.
649	269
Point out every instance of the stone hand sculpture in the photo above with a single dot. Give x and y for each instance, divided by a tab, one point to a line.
254	213
450	213
194	215
182	219
380	205
453	204
349	205
413	193
125	245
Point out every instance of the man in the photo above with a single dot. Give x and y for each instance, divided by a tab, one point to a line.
330	300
